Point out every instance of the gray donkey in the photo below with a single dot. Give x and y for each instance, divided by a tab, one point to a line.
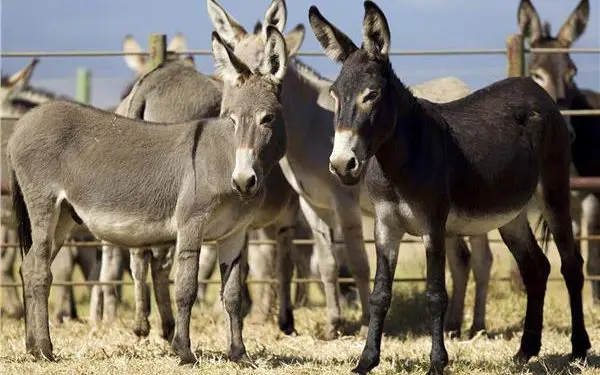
18	97
555	72
460	168
332	210
136	184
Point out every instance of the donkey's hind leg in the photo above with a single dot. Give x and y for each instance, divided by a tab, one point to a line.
534	268
481	264
555	189
161	264
139	259
207	263
458	262
591	212
50	224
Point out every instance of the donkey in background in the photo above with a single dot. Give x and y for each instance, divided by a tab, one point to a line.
333	211
555	72
461	168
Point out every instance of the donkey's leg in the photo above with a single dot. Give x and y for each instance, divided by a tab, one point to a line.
301	255
458	262
162	262
591	212
534	269
139	259
189	242
327	267
208	261
62	269
285	266
350	220
263	259
481	264
555	188
230	263
111	261
11	305
387	242
50	225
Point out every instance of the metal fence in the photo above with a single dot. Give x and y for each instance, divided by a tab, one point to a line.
516	66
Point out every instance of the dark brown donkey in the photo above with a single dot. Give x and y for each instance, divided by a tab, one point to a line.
555	72
461	168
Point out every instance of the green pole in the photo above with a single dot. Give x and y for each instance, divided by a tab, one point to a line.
158	49
83	86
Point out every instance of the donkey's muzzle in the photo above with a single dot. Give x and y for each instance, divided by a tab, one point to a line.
348	170
245	184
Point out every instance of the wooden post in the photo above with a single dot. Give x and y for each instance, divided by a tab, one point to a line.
83	86
158	49
515	54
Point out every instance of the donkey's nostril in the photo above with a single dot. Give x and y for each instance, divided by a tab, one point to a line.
351	164
251	182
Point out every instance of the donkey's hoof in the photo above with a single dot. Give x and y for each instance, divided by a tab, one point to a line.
521	358
142	329
436	369
168	331
364	330
238	354
368	361
286	322
44	351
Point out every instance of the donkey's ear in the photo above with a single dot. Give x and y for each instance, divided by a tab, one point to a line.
228	28
275	15
335	43
21	78
529	21
257	27
228	66
375	31
275	58
137	63
575	24
178	44
294	39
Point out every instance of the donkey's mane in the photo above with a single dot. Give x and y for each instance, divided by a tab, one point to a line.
308	73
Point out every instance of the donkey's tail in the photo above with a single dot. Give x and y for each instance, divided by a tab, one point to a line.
23	222
542	225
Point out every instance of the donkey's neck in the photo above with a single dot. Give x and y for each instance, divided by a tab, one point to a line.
407	143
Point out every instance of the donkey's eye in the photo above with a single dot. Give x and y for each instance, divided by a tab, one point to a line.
370	96
267	119
537	77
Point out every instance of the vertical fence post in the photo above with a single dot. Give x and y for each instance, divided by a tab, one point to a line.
83	86
515	54
158	49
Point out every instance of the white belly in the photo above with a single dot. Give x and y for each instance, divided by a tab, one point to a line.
414	222
461	224
128	230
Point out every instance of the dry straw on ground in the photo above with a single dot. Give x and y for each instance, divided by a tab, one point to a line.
81	349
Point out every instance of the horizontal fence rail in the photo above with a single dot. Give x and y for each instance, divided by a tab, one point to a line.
589	238
566	112
268	281
317	53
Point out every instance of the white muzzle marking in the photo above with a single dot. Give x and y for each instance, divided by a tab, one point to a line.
344	144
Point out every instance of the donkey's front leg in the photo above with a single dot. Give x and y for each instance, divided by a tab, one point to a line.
139	271
109	272
230	262
189	242
387	240
327	267
437	297
349	216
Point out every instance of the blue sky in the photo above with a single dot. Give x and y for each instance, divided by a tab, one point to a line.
38	25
